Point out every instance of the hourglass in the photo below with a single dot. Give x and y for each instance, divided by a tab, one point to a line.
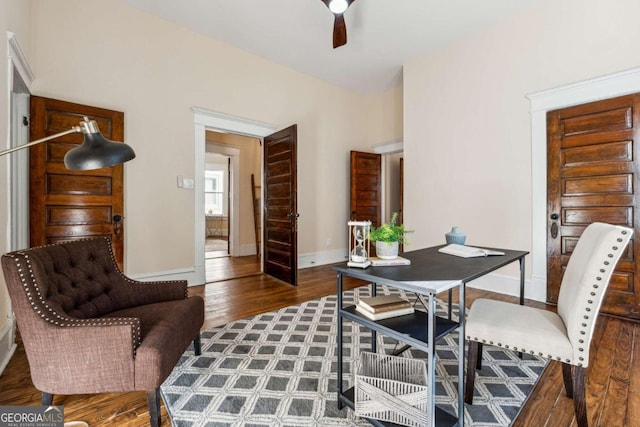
359	244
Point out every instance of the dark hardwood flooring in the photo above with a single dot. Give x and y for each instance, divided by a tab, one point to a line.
613	377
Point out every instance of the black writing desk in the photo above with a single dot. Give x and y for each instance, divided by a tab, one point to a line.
430	273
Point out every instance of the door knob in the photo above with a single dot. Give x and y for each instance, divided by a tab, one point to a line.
117	224
554	226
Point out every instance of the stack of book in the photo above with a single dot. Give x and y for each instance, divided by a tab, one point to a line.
383	307
379	262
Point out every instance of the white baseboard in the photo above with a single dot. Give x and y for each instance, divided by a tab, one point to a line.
246	249
508	285
7	343
313	259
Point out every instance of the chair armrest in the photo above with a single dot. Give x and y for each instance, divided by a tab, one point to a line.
89	355
141	293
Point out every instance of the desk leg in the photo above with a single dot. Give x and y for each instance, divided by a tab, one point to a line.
450	303
522	281
521	289
461	339
431	371
339	334
374	343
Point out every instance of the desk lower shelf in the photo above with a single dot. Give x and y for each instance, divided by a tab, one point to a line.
443	418
412	329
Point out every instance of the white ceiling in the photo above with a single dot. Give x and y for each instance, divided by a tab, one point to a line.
382	34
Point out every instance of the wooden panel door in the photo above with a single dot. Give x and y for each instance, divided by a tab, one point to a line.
67	204
281	205
366	187
593	176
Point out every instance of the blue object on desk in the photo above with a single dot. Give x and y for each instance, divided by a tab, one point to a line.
455	236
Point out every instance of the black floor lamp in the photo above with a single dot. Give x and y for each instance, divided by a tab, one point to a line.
95	152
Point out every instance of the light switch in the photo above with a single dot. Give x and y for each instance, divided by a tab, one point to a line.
180	181
188	183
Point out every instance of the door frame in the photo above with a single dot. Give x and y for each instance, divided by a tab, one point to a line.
610	86
211	120
18	236
17	214
385	149
233	153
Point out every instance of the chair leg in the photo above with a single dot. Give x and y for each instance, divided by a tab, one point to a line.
46	399
579	402
479	361
153	401
568	381
196	345
472	360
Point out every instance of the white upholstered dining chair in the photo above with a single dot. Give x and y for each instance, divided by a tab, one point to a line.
565	336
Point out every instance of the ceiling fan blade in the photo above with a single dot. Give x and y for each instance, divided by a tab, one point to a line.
339	31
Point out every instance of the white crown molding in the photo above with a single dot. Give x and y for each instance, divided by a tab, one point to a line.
234	124
19	59
389	147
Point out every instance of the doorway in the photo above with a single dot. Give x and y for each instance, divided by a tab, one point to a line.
230	247
217	176
593	166
623	83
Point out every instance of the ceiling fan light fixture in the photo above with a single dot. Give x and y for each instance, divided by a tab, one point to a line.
338	6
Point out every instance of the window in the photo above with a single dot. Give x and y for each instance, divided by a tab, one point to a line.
214	192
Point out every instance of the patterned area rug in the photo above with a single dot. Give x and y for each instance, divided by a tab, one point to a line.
279	369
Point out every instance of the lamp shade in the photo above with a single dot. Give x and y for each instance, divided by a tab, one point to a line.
96	151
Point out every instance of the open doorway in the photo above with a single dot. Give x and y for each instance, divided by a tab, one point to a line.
217	175
230	245
392	165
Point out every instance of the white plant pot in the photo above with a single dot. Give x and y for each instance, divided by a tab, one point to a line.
386	250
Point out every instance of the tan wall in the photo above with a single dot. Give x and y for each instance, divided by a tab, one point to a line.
250	157
117	57
385	116
467	124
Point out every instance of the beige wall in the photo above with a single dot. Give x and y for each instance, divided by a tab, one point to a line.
117	57
467	124
385	115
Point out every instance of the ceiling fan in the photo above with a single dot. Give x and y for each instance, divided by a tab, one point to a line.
338	7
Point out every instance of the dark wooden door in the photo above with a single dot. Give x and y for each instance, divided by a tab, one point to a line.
281	205
67	204
593	176
366	187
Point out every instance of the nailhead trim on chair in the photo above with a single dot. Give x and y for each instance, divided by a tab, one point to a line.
115	263
43	309
584	325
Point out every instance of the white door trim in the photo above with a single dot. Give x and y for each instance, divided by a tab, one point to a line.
16	233
210	120
610	86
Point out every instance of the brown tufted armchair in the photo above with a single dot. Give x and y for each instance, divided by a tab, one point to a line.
87	328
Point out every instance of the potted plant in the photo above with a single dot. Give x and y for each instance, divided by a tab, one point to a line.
387	238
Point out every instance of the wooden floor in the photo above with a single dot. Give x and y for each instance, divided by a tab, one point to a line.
226	268
613	377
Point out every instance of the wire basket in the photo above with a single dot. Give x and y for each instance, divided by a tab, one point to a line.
393	389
